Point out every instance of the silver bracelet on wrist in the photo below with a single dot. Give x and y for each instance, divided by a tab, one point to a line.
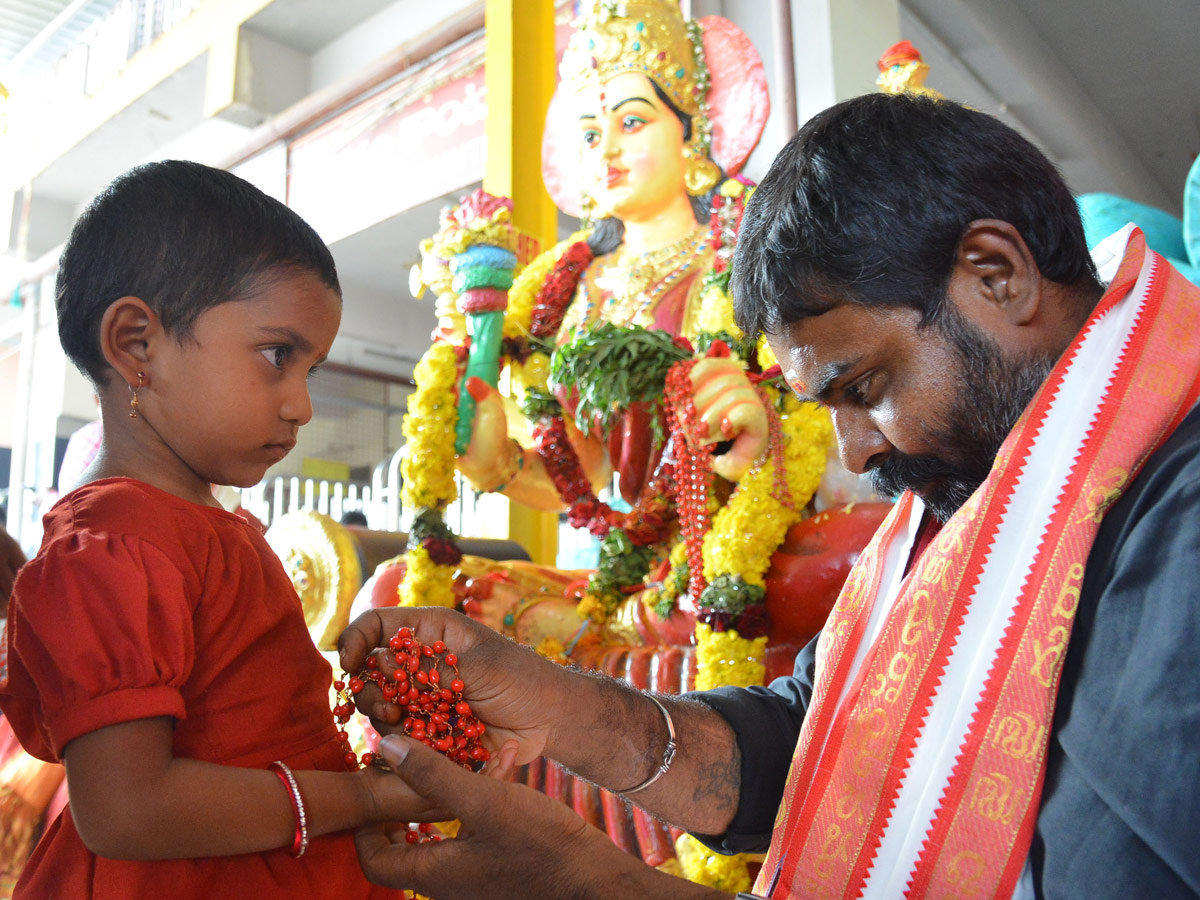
668	753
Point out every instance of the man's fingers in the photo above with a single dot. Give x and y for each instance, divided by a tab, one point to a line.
443	783
359	638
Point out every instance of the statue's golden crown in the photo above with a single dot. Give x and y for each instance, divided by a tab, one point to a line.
647	36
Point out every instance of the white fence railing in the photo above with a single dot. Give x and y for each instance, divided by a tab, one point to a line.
470	515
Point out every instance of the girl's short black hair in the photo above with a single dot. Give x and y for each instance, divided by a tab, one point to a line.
868	203
182	236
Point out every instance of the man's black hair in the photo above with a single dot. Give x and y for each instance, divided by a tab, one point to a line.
868	202
183	237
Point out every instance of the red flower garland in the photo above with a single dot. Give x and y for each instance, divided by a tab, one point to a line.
556	293
646	524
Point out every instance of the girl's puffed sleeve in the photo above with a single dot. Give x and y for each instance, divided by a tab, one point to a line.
99	633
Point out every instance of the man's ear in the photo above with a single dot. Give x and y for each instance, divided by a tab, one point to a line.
128	330
998	270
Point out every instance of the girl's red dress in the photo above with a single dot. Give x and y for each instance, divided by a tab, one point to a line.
142	604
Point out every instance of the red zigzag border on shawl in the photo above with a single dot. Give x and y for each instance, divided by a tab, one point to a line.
985	708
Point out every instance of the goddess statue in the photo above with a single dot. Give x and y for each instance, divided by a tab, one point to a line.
622	356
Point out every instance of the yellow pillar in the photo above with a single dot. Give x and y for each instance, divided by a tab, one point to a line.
520	81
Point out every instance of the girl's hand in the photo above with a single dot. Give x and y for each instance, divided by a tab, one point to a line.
516	693
394	801
730	409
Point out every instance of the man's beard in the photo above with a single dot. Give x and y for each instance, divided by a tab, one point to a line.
992	393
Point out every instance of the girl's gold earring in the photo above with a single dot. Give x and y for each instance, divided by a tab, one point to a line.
133	403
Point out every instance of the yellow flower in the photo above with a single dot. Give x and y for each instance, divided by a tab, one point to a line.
426	583
534	372
592	607
750	527
766	356
703	866
552	648
727	658
428	465
716	312
496	231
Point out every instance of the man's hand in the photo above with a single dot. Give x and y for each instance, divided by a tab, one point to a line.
515	692
514	843
11	559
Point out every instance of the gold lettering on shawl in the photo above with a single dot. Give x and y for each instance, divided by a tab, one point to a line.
1068	597
835	848
1181	326
950	541
934	569
919	618
898	670
1164	379
853	590
994	798
1103	495
964	872
1020	736
1047	659
863	739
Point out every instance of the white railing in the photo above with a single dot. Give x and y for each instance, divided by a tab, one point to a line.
278	496
469	515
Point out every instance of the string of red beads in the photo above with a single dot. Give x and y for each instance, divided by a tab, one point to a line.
693	469
425	683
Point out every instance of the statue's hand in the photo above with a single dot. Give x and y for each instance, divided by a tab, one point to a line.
488	462
729	409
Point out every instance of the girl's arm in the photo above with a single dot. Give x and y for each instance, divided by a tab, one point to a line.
131	799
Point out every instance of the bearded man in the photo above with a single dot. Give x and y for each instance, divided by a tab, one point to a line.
1003	703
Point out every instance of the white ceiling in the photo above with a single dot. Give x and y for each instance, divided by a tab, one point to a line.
1108	88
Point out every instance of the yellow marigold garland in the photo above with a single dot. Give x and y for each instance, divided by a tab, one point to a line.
425	582
750	527
725	658
428	468
704	866
428	465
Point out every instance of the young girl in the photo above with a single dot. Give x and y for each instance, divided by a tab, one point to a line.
155	644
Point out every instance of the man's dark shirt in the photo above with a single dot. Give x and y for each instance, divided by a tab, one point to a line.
1120	810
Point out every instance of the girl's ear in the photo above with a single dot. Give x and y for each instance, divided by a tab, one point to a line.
128	329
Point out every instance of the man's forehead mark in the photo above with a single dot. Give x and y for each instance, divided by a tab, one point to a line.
823	381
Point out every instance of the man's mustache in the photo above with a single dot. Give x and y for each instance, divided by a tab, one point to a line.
901	472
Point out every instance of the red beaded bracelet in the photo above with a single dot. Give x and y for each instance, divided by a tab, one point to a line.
300	841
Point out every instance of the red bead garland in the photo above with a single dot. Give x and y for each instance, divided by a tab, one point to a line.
693	470
435	712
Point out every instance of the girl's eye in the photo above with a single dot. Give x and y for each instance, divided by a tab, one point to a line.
591	137
276	356
632	123
312	373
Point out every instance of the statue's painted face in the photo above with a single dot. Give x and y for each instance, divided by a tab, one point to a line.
632	149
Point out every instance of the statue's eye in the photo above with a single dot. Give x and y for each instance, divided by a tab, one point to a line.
632	123
591	137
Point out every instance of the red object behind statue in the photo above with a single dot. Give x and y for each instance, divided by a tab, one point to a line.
814	559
